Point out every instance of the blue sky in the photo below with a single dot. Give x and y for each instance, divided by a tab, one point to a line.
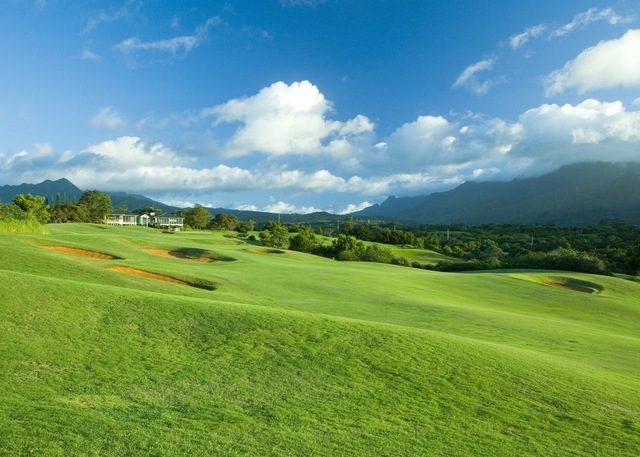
307	105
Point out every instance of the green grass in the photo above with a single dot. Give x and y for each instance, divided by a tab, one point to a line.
13	226
294	354
422	256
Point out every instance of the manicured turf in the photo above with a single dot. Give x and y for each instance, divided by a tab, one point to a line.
293	354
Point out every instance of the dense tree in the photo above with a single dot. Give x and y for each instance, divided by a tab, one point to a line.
376	253
633	258
8	212
304	241
97	205
197	217
245	227
69	212
347	247
265	237
347	226
31	208
223	221
275	235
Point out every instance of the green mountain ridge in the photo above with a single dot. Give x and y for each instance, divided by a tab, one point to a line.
574	195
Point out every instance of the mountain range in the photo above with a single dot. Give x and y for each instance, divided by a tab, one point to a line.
574	195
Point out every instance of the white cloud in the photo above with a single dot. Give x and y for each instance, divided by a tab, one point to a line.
108	118
520	39
609	64
592	130
287	208
579	21
13	163
127	152
88	54
541	139
126	11
469	78
431	143
439	152
180	45
590	16
287	119
8	160
352	208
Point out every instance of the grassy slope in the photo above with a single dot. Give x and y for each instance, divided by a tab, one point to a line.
300	355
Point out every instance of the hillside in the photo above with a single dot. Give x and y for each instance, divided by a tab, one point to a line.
292	354
579	194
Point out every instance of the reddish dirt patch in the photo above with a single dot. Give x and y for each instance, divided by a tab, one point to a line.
80	252
147	274
177	255
587	290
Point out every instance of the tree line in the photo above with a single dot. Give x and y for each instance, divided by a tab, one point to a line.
613	246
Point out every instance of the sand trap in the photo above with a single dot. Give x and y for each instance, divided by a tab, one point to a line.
199	284
574	287
178	255
80	252
147	274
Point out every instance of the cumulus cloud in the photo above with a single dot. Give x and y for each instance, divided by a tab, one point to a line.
288	208
125	155
352	208
24	159
129	163
470	78
609	64
435	143
589	131
479	147
287	119
108	118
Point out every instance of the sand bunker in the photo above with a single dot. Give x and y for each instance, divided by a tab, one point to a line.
178	255
80	252
577	286
199	284
571	287
147	274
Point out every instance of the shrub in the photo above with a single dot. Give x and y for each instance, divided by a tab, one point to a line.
403	261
